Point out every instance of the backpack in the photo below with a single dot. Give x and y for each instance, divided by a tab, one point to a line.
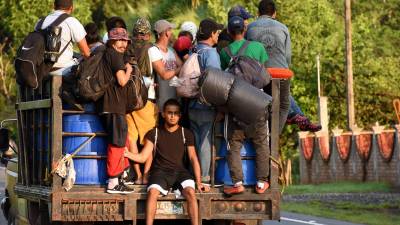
92	82
247	68
190	73
137	92
186	160
38	52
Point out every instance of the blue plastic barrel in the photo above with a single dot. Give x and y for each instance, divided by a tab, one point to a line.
89	171
222	174
41	142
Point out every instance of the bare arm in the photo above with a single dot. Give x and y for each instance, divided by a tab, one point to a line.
84	48
123	76
159	67
179	63
196	168
143	155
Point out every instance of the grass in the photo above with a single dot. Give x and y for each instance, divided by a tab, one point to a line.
341	187
383	214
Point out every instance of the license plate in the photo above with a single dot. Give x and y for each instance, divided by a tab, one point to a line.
169	208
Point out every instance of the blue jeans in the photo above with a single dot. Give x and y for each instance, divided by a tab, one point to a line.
294	108
201	122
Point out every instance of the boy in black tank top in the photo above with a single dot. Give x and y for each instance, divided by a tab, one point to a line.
170	144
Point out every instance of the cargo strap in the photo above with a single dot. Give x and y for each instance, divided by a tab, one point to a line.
65	159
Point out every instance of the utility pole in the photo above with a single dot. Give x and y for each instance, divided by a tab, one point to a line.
349	68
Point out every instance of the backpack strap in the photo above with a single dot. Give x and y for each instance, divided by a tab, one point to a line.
183	136
39	25
243	48
228	51
60	19
155	142
240	52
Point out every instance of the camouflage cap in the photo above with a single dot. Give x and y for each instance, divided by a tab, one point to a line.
142	26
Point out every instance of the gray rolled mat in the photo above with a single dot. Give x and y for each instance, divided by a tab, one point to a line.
246	102
214	87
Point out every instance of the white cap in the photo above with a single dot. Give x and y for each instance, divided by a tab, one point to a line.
191	27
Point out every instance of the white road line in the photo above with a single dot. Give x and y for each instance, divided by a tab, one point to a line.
311	222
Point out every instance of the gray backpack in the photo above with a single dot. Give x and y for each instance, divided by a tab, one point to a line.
247	68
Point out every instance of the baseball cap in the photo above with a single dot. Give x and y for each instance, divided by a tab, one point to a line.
182	43
190	27
118	34
142	26
239	11
235	23
163	25
208	26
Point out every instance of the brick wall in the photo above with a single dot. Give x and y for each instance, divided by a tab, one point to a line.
374	168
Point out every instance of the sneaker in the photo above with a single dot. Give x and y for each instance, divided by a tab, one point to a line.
262	190
233	190
120	189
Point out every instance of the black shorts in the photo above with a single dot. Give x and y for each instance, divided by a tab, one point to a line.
116	127
163	180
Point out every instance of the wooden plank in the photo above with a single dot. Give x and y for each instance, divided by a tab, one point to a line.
56	129
38	104
275	132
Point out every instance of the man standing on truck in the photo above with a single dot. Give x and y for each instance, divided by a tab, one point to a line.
145	119
72	31
202	116
165	62
258	133
173	149
276	39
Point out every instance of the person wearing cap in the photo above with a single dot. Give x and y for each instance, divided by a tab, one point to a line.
113	22
165	62
259	131
224	38
202	116
182	47
145	119
112	107
275	37
188	28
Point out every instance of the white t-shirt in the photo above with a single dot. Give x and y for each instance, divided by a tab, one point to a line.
165	91
72	29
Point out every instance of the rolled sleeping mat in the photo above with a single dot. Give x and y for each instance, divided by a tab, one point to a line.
214	87
247	103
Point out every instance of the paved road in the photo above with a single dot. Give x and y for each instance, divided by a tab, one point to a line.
286	217
299	219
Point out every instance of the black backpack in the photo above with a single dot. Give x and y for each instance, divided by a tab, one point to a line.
92	81
38	53
247	68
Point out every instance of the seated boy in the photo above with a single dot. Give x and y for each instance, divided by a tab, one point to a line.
170	144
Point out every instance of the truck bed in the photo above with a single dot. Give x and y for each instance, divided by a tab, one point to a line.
92	203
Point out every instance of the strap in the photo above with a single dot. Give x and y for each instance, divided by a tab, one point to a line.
226	122
60	19
243	48
155	142
240	52
229	52
183	136
39	25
